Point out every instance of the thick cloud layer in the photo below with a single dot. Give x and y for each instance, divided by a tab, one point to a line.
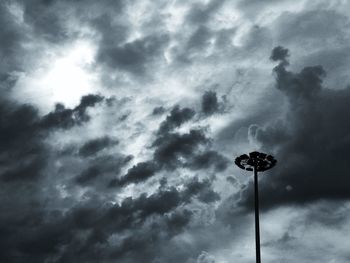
120	121
23	130
311	142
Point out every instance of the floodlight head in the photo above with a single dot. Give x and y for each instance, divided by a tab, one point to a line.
260	161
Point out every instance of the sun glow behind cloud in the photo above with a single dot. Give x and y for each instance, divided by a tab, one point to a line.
65	79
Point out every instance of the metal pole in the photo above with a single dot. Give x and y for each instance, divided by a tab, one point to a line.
257	228
257	162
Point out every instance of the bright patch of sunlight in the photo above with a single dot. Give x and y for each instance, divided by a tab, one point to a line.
68	79
65	78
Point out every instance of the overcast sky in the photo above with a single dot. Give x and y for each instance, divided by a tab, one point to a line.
120	121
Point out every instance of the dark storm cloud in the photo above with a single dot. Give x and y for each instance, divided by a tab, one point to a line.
102	168
22	131
88	174
174	150
178	220
160	203
67	118
17	122
20	140
191	150
96	145
237	130
303	86
31	231
279	53
170	147
175	119
311	144
210	103
138	173
208	159
203	189
87	230
29	168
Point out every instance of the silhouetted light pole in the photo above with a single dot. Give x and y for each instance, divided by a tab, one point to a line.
257	162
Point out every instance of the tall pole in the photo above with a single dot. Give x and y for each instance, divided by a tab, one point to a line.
257	226
257	162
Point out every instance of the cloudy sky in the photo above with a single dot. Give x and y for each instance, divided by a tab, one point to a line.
120	121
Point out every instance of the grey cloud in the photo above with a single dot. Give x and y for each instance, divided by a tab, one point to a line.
20	140
224	38
67	118
23	130
194	45
312	26
31	231
209	196
47	24
134	56
102	168
310	144
231	180
87	228
158	110
138	173
50	19
328	213
12	35
175	119
46	20
199	39
210	103
29	169
172	151
279	53
201	13
88	174
170	147
238	130
304	85
203	189
199	35
207	159
17	122
205	257
259	38
178	220
96	145
252	7
56	205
